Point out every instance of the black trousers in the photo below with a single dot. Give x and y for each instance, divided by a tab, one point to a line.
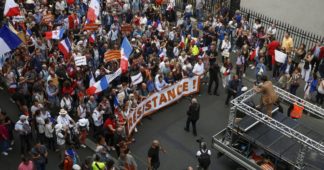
25	143
313	62
229	96
193	123
211	80
50	143
319	98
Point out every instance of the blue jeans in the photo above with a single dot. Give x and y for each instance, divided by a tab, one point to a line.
4	145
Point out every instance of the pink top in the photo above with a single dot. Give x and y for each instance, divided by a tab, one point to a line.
29	166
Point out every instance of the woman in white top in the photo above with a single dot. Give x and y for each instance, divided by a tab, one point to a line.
320	92
226	46
82	110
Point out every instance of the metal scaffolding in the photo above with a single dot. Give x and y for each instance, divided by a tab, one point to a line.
306	142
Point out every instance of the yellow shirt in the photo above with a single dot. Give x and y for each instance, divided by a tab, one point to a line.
101	165
288	44
195	50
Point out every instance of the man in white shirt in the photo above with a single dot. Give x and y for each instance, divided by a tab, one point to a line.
97	120
64	119
60	139
160	84
24	130
199	69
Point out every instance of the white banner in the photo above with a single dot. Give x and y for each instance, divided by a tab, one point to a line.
80	60
280	57
111	77
161	99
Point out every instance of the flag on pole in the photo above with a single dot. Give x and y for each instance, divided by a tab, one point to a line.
112	55
92	80
65	47
56	34
136	79
125	51
8	40
93	11
92	38
11	8
116	103
29	32
98	86
72	21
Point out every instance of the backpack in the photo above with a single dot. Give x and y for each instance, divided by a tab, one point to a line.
204	159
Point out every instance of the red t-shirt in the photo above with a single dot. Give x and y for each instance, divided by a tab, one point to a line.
272	46
111	122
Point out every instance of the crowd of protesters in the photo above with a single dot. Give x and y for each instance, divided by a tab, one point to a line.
49	89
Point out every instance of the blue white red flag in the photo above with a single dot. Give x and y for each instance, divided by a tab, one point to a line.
56	34
65	47
125	51
8	40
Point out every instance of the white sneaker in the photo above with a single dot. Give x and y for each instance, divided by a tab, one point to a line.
4	153
252	67
113	148
243	75
12	143
135	130
83	146
10	148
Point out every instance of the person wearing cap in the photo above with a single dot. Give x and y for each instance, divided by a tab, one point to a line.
64	119
83	127
153	158
24	130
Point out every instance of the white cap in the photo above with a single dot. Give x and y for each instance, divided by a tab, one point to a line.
76	167
23	117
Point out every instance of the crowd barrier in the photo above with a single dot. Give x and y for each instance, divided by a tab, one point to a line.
161	99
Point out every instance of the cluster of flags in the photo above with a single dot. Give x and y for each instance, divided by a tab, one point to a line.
9	40
125	51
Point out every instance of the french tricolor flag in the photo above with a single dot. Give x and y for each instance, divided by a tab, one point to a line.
92	38
11	8
93	11
98	86
56	34
65	47
125	51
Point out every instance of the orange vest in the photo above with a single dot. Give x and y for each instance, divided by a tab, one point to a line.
297	111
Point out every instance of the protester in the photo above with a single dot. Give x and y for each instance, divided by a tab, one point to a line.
193	116
39	156
26	164
153	155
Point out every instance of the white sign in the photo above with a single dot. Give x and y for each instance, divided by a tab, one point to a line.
158	100
80	60
136	79
18	19
280	57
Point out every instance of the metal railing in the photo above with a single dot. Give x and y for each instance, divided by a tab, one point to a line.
299	35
